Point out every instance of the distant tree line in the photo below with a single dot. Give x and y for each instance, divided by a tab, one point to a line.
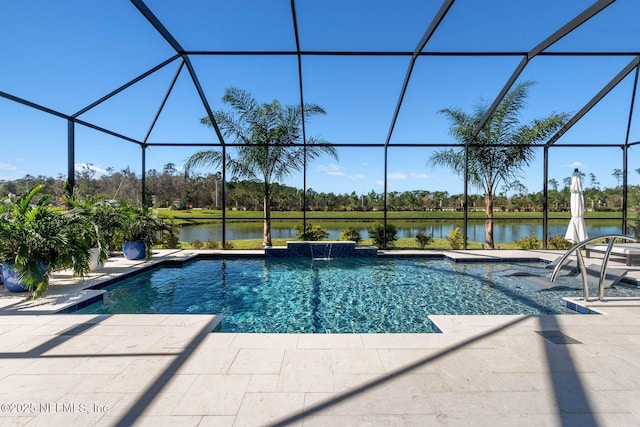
205	191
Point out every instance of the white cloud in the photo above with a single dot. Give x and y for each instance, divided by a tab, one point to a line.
7	167
97	169
397	175
333	169
10	172
410	175
420	175
577	165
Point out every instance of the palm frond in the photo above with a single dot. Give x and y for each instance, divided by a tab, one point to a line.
503	147
203	159
269	133
241	101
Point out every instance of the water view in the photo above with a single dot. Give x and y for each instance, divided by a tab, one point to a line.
503	231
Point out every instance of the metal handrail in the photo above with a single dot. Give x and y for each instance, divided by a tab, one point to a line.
583	268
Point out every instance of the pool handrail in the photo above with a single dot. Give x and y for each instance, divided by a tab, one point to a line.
583	269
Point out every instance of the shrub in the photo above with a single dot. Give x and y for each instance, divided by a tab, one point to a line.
423	240
169	235
559	242
311	232
350	234
227	245
529	242
456	239
197	244
377	233
36	238
635	226
169	240
212	244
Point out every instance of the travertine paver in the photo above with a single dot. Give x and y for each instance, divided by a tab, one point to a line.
306	371
325	341
265	408
500	384
349	361
209	361
257	361
213	395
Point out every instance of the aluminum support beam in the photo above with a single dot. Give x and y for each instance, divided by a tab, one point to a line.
625	182
126	85
163	103
435	23
203	99
304	132
71	155
224	195
601	94
143	180
33	105
153	20
107	131
546	43
625	192
64	116
545	197
466	197
166	34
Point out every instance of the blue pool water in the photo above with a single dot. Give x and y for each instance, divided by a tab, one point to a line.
338	296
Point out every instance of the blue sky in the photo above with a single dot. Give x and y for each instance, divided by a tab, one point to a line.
65	55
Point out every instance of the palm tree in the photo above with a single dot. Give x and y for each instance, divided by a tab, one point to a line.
501	150
270	136
617	174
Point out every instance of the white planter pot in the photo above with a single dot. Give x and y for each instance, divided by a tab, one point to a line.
94	260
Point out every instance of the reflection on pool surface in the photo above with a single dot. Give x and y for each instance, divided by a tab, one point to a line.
340	295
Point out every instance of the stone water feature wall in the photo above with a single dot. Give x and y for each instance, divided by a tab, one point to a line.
322	250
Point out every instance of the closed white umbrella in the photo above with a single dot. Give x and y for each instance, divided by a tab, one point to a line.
577	230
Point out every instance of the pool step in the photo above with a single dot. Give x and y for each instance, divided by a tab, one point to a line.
569	268
612	277
545	283
542	282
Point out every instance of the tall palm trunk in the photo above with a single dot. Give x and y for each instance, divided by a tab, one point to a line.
488	224
266	240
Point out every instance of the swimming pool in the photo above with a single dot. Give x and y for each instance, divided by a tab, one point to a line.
383	295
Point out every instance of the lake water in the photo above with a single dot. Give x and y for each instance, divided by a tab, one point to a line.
503	231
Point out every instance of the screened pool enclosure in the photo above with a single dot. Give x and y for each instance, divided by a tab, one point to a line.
107	86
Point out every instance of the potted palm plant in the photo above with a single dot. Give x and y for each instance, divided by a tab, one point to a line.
37	238
103	219
140	231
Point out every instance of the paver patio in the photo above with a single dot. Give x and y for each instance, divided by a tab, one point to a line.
65	369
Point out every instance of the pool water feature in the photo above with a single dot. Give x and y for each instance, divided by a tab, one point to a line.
321	250
349	295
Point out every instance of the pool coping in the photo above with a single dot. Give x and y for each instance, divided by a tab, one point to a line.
68	294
